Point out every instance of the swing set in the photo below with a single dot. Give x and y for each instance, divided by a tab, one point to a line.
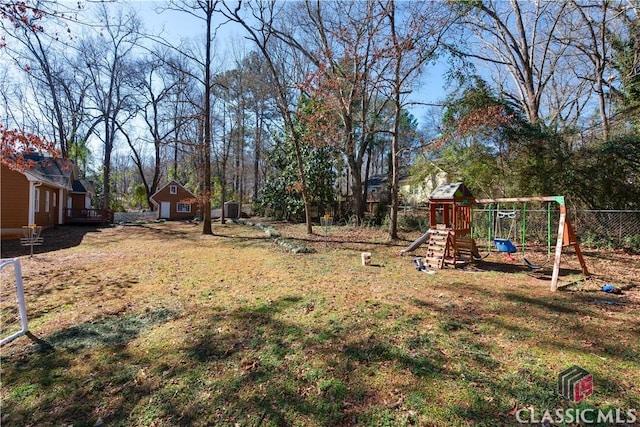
496	216
565	237
450	237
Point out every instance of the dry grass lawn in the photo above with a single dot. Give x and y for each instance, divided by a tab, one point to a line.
157	325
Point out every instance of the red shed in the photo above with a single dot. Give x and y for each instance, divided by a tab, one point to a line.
174	201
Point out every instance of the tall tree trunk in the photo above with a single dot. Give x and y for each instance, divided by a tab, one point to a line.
395	172
262	36
357	203
256	159
367	174
397	112
206	197
175	161
106	171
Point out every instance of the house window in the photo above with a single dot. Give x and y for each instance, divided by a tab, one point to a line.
47	197
173	189
184	207
55	200
36	202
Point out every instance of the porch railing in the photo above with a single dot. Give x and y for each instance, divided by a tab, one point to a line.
88	215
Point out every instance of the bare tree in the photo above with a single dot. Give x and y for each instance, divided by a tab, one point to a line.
202	10
40	34
156	85
415	40
521	38
592	32
107	64
185	101
342	40
261	29
230	126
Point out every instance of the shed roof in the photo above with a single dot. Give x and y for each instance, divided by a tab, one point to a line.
155	201
377	180
454	190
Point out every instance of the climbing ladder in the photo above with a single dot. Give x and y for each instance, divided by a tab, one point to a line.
438	250
447	248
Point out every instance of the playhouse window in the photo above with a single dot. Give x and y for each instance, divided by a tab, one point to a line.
184	207
173	189
47	196
36	202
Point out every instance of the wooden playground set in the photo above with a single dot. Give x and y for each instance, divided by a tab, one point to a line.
450	236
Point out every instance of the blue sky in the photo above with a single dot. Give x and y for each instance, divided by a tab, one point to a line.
178	25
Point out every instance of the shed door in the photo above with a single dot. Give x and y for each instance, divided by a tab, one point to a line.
165	210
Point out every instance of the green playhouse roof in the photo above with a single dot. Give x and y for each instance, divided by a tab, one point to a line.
454	190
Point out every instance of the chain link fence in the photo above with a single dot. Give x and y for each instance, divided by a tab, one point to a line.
616	229
612	229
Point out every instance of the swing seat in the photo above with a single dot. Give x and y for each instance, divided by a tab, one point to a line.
505	245
535	266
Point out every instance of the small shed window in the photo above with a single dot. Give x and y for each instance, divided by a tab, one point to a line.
173	189
55	200
36	202
47	197
184	207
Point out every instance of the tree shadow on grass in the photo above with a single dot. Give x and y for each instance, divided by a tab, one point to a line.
547	306
375	351
284	373
165	232
268	387
249	322
55	372
271	363
517	267
54	239
111	330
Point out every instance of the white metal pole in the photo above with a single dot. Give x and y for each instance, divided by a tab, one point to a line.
22	308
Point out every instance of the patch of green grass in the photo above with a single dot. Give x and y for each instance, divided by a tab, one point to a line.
24	391
332	388
382	416
450	324
109	330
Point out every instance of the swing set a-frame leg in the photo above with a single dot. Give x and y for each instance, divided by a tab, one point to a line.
566	237
569	239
